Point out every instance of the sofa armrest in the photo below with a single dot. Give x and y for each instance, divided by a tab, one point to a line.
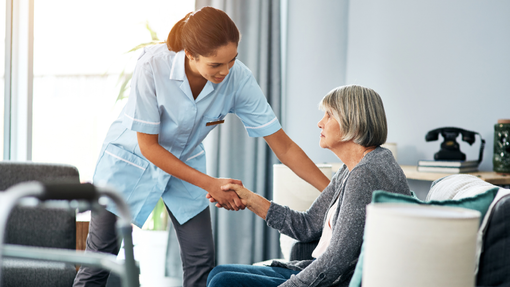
494	264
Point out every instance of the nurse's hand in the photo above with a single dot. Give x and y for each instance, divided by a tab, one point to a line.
226	199
241	191
218	205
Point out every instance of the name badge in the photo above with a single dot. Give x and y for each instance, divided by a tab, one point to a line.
214	123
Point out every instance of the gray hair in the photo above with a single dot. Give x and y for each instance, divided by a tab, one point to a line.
360	113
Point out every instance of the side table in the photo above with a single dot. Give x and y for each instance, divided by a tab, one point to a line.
492	177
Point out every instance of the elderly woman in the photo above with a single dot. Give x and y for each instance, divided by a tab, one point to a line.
353	128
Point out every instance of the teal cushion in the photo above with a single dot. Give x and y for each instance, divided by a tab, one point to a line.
480	202
358	272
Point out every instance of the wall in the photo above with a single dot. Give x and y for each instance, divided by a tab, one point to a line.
434	63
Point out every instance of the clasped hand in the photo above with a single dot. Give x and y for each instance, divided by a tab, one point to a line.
234	192
225	198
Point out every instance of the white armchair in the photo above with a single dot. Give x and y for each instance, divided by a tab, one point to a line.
290	190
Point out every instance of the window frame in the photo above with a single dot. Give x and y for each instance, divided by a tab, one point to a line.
18	86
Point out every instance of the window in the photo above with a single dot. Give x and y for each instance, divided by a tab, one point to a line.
2	75
79	54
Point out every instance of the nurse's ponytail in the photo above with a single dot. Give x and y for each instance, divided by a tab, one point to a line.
202	32
174	42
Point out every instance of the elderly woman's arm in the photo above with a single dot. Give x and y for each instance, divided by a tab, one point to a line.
303	226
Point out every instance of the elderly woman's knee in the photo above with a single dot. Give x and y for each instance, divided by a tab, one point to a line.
222	278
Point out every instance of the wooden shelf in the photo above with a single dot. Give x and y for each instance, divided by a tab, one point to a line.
412	172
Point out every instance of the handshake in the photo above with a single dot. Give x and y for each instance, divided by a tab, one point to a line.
232	195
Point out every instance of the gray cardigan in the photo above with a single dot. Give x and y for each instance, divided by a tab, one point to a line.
378	170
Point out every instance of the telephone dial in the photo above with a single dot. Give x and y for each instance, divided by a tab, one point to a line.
450	148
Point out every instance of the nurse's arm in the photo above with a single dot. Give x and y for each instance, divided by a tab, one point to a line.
159	156
290	154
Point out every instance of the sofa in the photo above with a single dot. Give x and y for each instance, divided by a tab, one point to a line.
494	262
455	190
494	232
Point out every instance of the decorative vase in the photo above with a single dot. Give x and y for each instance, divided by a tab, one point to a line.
501	159
158	219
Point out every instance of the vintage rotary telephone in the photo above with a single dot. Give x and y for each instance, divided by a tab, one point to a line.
450	149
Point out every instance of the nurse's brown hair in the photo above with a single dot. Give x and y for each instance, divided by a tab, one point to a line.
202	32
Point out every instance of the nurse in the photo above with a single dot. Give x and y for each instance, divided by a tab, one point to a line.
180	91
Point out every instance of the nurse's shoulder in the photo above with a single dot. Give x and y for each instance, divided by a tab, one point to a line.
240	69
155	53
239	75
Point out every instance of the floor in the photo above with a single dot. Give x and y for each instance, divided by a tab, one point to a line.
150	252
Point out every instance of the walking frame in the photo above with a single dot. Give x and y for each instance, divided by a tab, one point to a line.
70	196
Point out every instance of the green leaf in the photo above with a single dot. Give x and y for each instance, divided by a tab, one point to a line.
154	36
124	87
125	79
143	45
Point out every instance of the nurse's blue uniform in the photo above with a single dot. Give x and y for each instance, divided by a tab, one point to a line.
161	102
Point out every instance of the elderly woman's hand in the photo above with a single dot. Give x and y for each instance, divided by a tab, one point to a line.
256	203
243	193
234	202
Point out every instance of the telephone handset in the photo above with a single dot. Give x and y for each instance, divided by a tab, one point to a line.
450	149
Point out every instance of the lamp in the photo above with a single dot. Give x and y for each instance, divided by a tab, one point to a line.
419	245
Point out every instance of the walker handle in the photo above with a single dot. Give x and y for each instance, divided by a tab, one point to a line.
68	191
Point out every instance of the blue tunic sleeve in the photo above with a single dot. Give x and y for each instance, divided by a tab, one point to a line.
252	108
141	113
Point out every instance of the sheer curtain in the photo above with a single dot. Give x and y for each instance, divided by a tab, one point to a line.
242	237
